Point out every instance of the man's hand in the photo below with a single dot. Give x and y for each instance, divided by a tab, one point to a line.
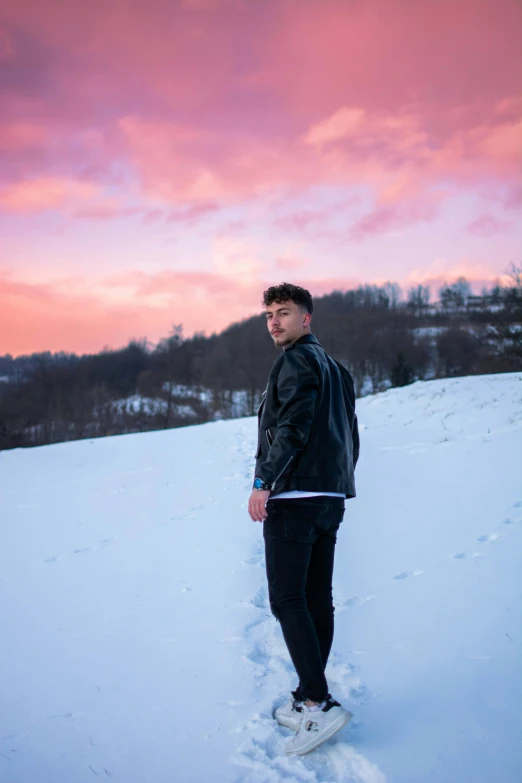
256	504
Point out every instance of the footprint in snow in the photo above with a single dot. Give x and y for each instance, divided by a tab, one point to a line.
265	760
250	626
491	537
407	574
61	715
259	656
359	693
260	599
341	606
103	543
255	560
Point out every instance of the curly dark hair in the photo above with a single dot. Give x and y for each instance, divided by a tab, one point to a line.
284	292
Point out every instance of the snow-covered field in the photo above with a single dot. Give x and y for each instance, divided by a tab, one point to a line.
136	639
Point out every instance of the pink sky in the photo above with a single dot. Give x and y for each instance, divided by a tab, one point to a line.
163	162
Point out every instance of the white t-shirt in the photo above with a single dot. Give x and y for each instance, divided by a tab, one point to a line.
297	493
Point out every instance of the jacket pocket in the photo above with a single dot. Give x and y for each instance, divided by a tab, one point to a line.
269	437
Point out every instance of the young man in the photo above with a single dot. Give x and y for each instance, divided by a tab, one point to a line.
308	445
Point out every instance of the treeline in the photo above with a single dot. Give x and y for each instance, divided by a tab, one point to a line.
382	337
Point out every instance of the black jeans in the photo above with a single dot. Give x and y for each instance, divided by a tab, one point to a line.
300	536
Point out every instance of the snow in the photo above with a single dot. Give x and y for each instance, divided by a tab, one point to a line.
137	642
136	403
180	390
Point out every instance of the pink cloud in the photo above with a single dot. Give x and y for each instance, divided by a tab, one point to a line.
313	223
192	135
38	195
389	217
105	211
487	225
300	221
21	136
288	263
153	216
175	111
341	124
192	214
233	227
442	272
393	155
514	197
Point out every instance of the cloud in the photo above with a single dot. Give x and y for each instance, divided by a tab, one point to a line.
389	217
442	271
105	211
342	124
39	195
207	113
289	263
236	258
487	225
15	136
192	214
175	115
301	220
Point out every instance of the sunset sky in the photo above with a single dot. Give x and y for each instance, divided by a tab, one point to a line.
164	161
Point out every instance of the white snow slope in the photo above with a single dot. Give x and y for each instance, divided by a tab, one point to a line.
136	639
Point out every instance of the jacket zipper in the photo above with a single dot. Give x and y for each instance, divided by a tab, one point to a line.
281	473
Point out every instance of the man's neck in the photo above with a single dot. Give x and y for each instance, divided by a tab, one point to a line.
294	341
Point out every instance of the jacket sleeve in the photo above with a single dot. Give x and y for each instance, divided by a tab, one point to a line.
355	440
297	386
350	410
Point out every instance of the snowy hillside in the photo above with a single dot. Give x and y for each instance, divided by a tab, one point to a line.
137	643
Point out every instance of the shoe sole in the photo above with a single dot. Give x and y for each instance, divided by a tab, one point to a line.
337	724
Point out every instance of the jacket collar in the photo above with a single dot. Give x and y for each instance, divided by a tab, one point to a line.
306	338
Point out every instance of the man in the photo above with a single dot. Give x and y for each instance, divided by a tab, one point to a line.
308	445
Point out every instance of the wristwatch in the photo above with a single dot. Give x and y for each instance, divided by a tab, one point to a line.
260	484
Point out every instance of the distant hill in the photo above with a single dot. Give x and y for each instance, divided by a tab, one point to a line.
384	340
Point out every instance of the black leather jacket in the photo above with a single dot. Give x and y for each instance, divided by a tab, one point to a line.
308	437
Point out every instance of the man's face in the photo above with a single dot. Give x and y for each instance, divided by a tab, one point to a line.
286	322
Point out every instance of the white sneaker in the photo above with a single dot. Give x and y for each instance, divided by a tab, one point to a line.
317	726
289	714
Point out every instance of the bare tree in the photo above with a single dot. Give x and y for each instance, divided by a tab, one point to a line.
418	298
514	271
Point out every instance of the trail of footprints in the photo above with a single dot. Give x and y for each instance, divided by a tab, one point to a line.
190	512
487	538
105	542
261	755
